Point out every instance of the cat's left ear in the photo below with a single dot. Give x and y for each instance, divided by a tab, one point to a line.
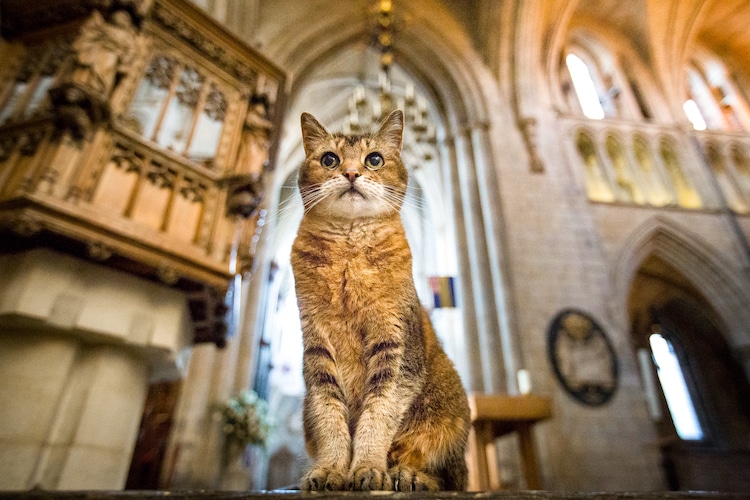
312	132
392	129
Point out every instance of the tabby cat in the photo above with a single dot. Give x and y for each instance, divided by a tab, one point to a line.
384	408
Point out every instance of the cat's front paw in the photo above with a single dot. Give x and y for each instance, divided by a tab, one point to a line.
409	479
323	479
370	479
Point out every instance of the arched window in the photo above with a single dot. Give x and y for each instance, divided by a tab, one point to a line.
178	108
585	87
713	100
674	387
597	185
725	180
599	80
626	184
702	110
686	195
656	191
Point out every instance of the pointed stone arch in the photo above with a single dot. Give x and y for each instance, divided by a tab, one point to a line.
435	51
721	284
679	288
672	42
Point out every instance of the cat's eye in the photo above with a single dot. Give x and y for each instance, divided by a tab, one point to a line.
329	160
374	161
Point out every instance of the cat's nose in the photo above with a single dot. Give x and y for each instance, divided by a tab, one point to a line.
351	174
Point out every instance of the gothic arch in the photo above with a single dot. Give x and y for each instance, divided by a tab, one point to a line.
457	84
719	282
673	27
613	53
467	104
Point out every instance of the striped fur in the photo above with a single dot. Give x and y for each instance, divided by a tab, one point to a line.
384	408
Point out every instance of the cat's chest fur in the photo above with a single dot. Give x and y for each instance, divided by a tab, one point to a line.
351	269
348	276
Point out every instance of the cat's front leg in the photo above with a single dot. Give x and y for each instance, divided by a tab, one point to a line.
411	479
385	401
323	479
368	472
326	422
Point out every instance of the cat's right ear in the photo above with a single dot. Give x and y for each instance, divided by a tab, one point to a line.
312	132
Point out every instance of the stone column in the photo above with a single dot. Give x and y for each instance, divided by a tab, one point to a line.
74	413
465	291
196	440
481	266
79	345
494	227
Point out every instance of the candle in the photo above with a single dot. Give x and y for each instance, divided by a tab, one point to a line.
359	94
524	381
409	92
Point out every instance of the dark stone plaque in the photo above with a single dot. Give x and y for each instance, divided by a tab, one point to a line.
582	357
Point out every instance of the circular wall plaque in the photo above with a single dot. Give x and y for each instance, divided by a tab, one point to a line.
582	357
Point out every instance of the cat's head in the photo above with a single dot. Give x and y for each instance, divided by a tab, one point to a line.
352	176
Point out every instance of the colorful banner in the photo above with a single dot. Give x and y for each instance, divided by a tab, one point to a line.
443	291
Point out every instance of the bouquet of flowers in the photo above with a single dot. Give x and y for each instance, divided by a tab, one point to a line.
244	421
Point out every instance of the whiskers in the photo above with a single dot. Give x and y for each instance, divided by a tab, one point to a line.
313	194
414	203
377	199
392	197
285	216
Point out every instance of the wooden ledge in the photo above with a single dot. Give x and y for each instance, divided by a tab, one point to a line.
493	407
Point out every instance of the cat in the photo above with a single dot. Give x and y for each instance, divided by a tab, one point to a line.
384	407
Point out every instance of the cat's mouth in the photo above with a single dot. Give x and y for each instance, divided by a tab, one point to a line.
351	193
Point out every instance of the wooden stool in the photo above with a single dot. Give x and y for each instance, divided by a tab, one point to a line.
495	415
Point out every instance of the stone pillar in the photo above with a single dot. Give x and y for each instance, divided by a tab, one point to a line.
79	345
196	440
194	445
70	411
490	347
466	294
494	226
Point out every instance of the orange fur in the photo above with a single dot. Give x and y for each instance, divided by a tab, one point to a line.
384	407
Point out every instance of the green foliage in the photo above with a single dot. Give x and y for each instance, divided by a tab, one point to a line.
244	420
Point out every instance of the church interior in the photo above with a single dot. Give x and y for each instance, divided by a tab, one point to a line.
578	212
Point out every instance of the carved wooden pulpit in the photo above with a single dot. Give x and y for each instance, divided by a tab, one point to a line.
135	133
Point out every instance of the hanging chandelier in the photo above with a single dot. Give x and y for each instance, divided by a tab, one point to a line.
369	106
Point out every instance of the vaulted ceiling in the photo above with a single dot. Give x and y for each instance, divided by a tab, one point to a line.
726	29
720	25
